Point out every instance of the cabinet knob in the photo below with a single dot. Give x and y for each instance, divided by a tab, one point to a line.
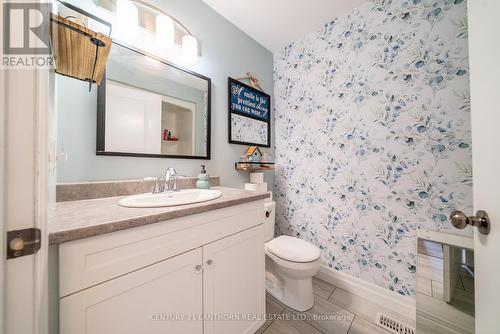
210	262
198	268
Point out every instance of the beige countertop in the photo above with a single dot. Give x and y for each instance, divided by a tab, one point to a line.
87	218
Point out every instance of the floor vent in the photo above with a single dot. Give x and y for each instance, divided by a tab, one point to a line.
393	325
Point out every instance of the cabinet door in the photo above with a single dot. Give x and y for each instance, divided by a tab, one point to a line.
162	298
233	283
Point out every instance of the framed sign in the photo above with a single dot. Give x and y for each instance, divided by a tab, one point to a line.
249	115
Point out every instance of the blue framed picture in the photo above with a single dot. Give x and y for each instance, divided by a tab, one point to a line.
249	116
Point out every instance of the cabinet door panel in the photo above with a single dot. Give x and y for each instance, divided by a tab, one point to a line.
233	283
151	300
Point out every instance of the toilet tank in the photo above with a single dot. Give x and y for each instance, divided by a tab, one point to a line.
269	219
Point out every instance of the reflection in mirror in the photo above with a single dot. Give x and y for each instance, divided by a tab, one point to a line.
150	108
445	288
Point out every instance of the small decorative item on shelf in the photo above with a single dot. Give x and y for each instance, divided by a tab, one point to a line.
255	162
203	179
168	136
253	154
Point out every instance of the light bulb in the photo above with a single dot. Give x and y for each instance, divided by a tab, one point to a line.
165	30
126	17
190	49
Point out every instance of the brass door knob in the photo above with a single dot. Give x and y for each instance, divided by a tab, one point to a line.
480	220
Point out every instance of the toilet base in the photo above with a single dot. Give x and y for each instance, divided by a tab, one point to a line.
294	293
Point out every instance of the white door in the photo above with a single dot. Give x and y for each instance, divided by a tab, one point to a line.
133	119
162	298
233	283
27	168
2	194
26	197
484	53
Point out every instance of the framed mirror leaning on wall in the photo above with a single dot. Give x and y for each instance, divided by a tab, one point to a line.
445	287
147	107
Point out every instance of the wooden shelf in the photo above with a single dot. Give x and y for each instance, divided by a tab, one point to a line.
253	166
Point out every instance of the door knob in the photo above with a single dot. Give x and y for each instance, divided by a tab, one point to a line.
480	220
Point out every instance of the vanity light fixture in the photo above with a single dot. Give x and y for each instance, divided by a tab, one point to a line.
168	31
126	17
189	49
165	30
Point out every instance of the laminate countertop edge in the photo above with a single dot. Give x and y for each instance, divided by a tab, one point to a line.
78	219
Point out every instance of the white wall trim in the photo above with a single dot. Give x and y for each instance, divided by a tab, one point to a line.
369	291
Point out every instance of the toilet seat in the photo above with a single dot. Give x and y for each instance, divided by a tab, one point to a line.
293	249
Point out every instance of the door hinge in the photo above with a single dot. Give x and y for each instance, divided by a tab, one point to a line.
23	242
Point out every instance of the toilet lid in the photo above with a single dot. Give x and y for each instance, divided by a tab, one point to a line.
293	249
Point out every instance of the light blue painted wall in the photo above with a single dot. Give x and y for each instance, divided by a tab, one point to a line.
226	51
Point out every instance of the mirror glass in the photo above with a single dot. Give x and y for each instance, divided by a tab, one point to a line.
445	288
150	108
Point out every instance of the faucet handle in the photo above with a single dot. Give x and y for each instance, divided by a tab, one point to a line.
170	172
171	179
156	187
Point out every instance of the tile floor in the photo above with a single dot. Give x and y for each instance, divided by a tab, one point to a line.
335	312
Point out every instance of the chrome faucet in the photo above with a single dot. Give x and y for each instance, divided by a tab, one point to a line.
171	180
157	186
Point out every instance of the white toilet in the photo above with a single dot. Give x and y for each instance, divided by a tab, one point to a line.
290	265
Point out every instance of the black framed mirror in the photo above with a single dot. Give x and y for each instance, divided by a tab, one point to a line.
147	107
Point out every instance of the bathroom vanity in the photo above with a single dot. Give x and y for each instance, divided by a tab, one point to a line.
195	268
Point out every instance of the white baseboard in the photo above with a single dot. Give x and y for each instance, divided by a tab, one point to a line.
393	301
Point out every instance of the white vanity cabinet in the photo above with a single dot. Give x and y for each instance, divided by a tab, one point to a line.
139	302
233	283
198	274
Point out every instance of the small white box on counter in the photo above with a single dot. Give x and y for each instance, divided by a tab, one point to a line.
262	187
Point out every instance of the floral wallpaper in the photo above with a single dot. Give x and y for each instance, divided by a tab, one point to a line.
373	135
248	130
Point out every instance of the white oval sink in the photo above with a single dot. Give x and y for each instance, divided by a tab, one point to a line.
186	196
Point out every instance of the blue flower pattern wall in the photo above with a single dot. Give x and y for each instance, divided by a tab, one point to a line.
373	135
